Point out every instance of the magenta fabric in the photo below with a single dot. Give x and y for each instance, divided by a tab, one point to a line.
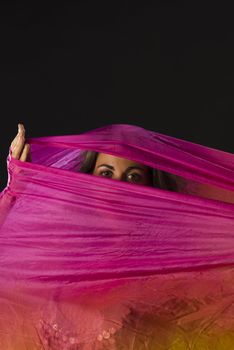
93	263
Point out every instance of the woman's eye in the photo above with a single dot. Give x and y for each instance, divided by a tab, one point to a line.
134	177
106	173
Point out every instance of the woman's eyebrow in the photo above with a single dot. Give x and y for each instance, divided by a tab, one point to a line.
135	167
107	165
129	168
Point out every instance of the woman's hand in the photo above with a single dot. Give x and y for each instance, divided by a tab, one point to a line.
19	149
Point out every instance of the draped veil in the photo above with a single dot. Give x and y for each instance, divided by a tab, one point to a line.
92	263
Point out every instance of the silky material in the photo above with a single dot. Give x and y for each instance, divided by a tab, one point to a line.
93	263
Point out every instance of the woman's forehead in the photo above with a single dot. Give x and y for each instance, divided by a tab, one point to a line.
113	160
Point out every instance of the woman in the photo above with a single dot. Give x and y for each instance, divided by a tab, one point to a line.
89	264
106	165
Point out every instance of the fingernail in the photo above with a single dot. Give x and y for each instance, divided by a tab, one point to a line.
20	128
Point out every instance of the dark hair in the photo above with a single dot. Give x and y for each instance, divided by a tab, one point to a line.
159	178
89	161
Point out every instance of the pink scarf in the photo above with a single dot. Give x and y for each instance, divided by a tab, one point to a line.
93	263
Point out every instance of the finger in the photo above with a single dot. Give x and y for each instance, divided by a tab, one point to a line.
13	143
19	145
21	131
16	151
25	155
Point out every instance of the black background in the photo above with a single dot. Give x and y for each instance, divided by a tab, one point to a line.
70	67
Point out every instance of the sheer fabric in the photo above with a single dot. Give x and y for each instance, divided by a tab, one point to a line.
93	263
